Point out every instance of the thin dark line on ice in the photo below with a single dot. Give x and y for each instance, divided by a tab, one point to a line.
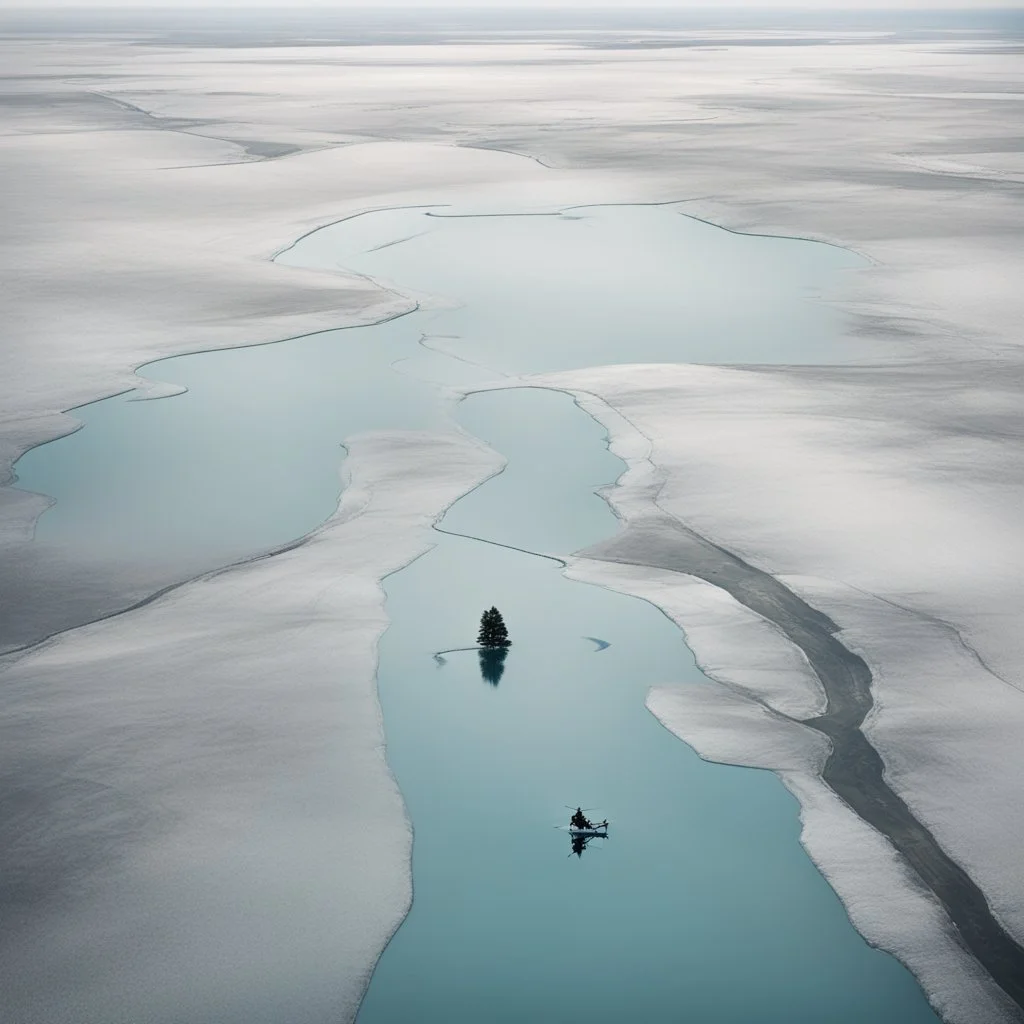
498	544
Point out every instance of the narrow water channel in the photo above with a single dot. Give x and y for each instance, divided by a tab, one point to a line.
701	905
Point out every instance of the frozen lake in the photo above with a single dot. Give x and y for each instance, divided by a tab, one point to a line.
702	902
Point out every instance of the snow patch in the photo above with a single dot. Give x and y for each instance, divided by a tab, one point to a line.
949	731
731	643
725	726
209	771
886	902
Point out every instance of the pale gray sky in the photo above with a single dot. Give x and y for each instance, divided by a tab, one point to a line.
812	5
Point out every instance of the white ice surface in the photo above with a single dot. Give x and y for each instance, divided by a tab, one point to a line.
122	245
128	237
789	476
723	725
731	642
210	830
886	902
941	714
846	480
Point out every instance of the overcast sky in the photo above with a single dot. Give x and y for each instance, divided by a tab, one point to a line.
343	5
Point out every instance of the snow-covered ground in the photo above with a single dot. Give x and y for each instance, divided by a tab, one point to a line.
199	819
902	529
140	215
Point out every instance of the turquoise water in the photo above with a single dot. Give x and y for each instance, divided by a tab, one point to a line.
247	460
701	905
596	285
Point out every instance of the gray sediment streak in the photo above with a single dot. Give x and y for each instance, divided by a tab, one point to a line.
854	770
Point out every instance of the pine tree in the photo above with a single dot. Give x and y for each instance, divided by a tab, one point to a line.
492	630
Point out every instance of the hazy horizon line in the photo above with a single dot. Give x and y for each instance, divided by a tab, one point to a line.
559	5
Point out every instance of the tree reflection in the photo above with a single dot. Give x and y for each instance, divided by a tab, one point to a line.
492	664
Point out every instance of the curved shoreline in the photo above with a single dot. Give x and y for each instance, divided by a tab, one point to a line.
11	481
26	643
849	697
854	771
412	725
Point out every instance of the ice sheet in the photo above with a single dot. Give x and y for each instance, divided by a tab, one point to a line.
885	901
127	237
733	642
786	478
200	821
